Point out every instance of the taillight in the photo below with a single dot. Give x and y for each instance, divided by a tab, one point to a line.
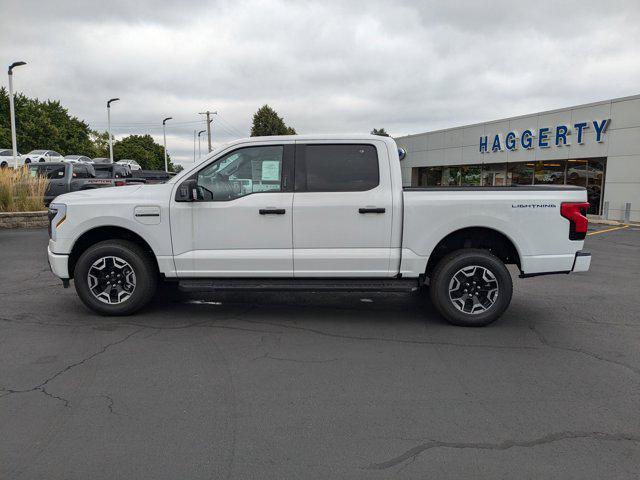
576	213
120	183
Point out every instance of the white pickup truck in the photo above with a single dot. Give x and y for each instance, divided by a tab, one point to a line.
314	213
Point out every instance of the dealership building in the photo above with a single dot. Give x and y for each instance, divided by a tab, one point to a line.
596	146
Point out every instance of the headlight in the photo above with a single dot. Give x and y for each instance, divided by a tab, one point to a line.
57	215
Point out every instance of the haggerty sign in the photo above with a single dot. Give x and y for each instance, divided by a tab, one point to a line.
544	137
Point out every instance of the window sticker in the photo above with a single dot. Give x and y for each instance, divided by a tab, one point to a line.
270	170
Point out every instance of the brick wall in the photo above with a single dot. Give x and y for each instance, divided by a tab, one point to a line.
23	219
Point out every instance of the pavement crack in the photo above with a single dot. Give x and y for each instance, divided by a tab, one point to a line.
41	386
543	340
57	397
394	340
412	453
295	360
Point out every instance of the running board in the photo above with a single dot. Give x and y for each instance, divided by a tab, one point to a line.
300	284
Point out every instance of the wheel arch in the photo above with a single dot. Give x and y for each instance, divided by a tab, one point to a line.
109	232
497	242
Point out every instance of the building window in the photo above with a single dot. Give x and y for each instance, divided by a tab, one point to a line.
521	173
428	177
451	176
470	176
494	175
550	173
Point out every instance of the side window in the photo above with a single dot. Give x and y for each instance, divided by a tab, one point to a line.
242	172
338	168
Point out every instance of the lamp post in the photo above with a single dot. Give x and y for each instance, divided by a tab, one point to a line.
199	151
109	127
164	133
12	111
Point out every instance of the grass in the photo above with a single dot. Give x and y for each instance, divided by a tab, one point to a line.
20	191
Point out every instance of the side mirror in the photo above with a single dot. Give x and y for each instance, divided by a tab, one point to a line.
188	191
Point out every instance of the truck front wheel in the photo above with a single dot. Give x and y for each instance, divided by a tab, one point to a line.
115	277
471	287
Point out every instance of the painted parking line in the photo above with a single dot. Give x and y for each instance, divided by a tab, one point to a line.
608	230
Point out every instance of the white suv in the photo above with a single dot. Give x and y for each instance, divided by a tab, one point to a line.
43	156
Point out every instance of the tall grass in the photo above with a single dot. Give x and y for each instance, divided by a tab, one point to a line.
20	191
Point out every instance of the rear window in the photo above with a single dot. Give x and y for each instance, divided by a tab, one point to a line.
340	168
102	172
48	171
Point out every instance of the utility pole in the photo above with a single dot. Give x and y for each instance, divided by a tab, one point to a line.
14	144
194	146
208	114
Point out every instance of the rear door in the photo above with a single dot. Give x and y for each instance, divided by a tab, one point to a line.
342	210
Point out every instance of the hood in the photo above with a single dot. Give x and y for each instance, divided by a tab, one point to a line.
115	194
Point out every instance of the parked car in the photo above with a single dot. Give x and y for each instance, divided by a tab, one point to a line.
67	177
132	164
6	158
243	220
77	158
101	160
35	156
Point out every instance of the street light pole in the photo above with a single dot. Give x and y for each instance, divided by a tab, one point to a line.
109	127
199	151
14	144
164	133
194	145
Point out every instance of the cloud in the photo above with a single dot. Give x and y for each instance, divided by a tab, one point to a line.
408	66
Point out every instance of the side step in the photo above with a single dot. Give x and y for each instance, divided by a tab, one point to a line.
300	284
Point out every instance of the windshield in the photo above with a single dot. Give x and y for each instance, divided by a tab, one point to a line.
38	152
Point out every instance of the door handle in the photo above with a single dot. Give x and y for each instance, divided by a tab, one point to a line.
372	210
271	211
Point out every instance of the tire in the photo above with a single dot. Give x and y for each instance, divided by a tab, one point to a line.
27	161
4	165
108	263
456	273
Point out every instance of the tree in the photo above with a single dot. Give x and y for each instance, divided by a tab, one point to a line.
143	149
44	125
267	122
178	168
379	131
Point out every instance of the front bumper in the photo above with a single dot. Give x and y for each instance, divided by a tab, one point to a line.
59	264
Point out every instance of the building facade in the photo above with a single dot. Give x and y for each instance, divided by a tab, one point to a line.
596	145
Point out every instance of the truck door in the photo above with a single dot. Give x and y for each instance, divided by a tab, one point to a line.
241	223
342	210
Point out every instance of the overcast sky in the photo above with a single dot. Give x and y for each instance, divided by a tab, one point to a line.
343	66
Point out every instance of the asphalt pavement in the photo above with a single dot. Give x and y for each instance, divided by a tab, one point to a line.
281	385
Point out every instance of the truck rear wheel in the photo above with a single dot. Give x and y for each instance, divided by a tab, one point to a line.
115	277
471	287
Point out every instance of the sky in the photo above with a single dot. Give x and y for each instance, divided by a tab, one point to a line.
326	67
